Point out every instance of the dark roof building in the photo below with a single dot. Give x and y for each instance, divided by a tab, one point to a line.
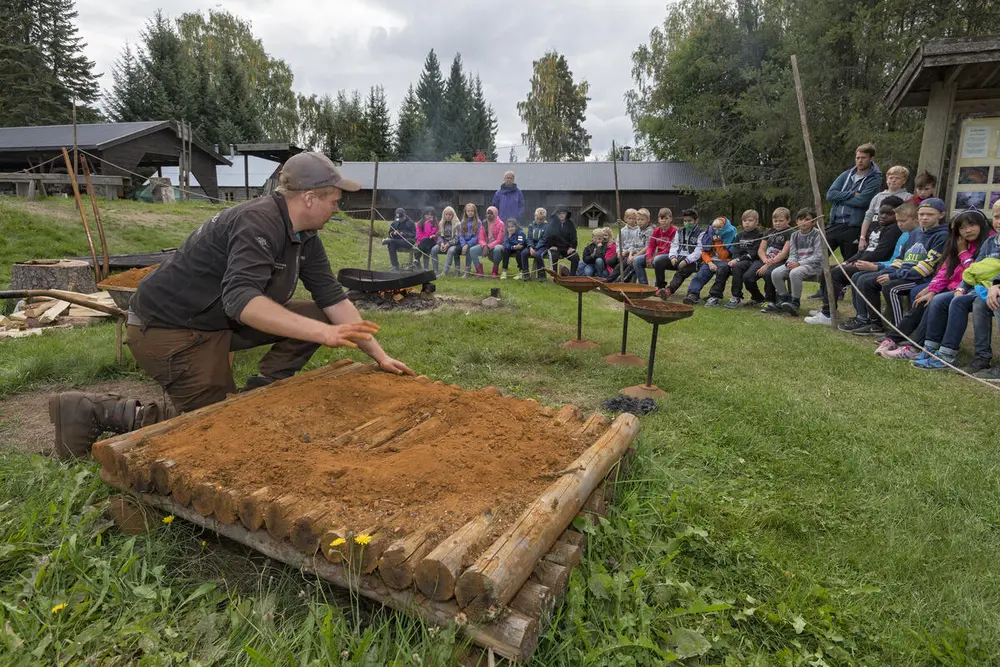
122	148
587	188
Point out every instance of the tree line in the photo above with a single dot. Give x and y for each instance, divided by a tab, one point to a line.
714	86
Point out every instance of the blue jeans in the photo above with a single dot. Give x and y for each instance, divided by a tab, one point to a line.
705	274
472	256
958	321
937	317
597	268
982	324
639	266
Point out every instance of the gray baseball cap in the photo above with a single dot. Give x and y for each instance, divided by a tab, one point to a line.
312	171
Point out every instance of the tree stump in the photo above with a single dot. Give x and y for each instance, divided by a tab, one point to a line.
63	274
163	191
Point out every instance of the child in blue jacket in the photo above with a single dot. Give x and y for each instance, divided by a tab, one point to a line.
513	245
535	246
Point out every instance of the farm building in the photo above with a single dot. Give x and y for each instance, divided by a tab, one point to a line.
121	149
252	172
586	188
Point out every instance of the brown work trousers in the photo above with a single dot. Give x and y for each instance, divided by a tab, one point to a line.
193	366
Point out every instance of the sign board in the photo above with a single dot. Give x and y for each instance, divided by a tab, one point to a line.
975	179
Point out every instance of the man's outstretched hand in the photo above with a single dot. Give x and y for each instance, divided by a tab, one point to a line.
390	365
348	335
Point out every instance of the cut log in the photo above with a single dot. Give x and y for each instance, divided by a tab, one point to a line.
438	571
280	514
181	488
161	472
225	506
129	516
595	504
399	561
428	426
65	274
513	636
595	424
496	576
553	576
573	537
355	433
534	600
203	498
334	544
567	414
565	554
251	508
308	528
367	547
136	474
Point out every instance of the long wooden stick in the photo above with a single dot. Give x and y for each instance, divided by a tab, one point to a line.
97	215
83	214
371	220
831	295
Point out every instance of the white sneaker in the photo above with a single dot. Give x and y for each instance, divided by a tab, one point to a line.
819	318
814	312
503	276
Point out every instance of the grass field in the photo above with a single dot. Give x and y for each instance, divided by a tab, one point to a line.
795	501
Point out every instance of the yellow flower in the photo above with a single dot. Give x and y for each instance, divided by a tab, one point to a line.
337	542
58	608
204	544
169	519
362	539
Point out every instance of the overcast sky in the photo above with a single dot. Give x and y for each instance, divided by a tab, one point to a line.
348	44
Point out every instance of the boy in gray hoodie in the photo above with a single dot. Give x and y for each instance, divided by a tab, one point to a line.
805	260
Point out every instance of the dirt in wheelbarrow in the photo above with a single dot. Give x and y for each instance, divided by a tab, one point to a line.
129	278
378	450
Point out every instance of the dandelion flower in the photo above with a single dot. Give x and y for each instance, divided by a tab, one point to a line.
337	542
204	544
58	608
362	539
169	519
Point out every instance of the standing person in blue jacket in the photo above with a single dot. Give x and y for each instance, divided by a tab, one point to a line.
515	241
535	246
509	200
851	195
402	236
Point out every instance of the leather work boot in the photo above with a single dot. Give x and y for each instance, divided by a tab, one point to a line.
81	418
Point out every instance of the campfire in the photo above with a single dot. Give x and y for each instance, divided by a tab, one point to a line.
408	298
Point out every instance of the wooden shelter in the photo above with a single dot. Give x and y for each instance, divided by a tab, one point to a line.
953	78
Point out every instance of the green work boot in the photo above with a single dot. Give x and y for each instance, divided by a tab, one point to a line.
81	418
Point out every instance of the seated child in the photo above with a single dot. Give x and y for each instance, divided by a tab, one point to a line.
920	260
685	253
746	251
717	250
640	242
491	237
968	232
402	236
878	247
447	241
977	294
923	187
622	269
592	263
535	246
805	260
515	242
427	231
658	251
770	256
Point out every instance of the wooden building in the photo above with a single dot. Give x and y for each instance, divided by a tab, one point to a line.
586	188
123	148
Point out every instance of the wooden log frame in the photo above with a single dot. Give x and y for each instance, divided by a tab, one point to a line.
496	576
438	572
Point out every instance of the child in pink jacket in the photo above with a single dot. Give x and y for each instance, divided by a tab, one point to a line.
427	230
491	237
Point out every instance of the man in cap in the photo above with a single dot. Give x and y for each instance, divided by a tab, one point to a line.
229	287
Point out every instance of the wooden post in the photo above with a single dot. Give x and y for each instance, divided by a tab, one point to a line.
935	135
76	150
618	198
831	294
246	175
97	216
371	222
493	580
83	215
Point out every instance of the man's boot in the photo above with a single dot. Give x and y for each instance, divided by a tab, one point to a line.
81	418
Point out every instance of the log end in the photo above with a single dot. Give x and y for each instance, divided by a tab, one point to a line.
435	580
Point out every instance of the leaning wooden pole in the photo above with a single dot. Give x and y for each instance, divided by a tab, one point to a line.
83	214
831	295
371	219
97	217
618	197
494	579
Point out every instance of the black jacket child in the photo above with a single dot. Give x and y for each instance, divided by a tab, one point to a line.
402	227
561	235
594	252
747	245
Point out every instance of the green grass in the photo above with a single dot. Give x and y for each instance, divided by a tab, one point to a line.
795	501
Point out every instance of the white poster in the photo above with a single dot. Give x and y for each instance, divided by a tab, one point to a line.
977	141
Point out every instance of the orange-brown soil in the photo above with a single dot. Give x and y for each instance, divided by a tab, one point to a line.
129	278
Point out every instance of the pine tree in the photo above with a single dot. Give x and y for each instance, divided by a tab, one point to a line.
430	92
455	115
63	49
554	111
347	125
410	127
168	72
238	122
482	122
127	101
377	132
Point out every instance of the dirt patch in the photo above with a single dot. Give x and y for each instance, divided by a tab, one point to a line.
129	278
408	300
421	454
24	419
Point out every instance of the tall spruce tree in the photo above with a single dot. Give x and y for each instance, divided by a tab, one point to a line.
554	112
430	92
482	122
454	137
376	139
411	127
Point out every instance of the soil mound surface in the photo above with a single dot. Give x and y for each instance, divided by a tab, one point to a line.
129	278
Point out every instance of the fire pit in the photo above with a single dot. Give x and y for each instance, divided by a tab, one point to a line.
363	280
656	312
625	292
379	290
578	284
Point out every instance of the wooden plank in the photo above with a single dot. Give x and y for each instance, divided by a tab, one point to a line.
55	310
497	574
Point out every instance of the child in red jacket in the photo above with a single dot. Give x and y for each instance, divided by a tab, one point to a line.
659	246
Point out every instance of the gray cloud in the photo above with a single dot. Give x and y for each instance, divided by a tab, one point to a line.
354	44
